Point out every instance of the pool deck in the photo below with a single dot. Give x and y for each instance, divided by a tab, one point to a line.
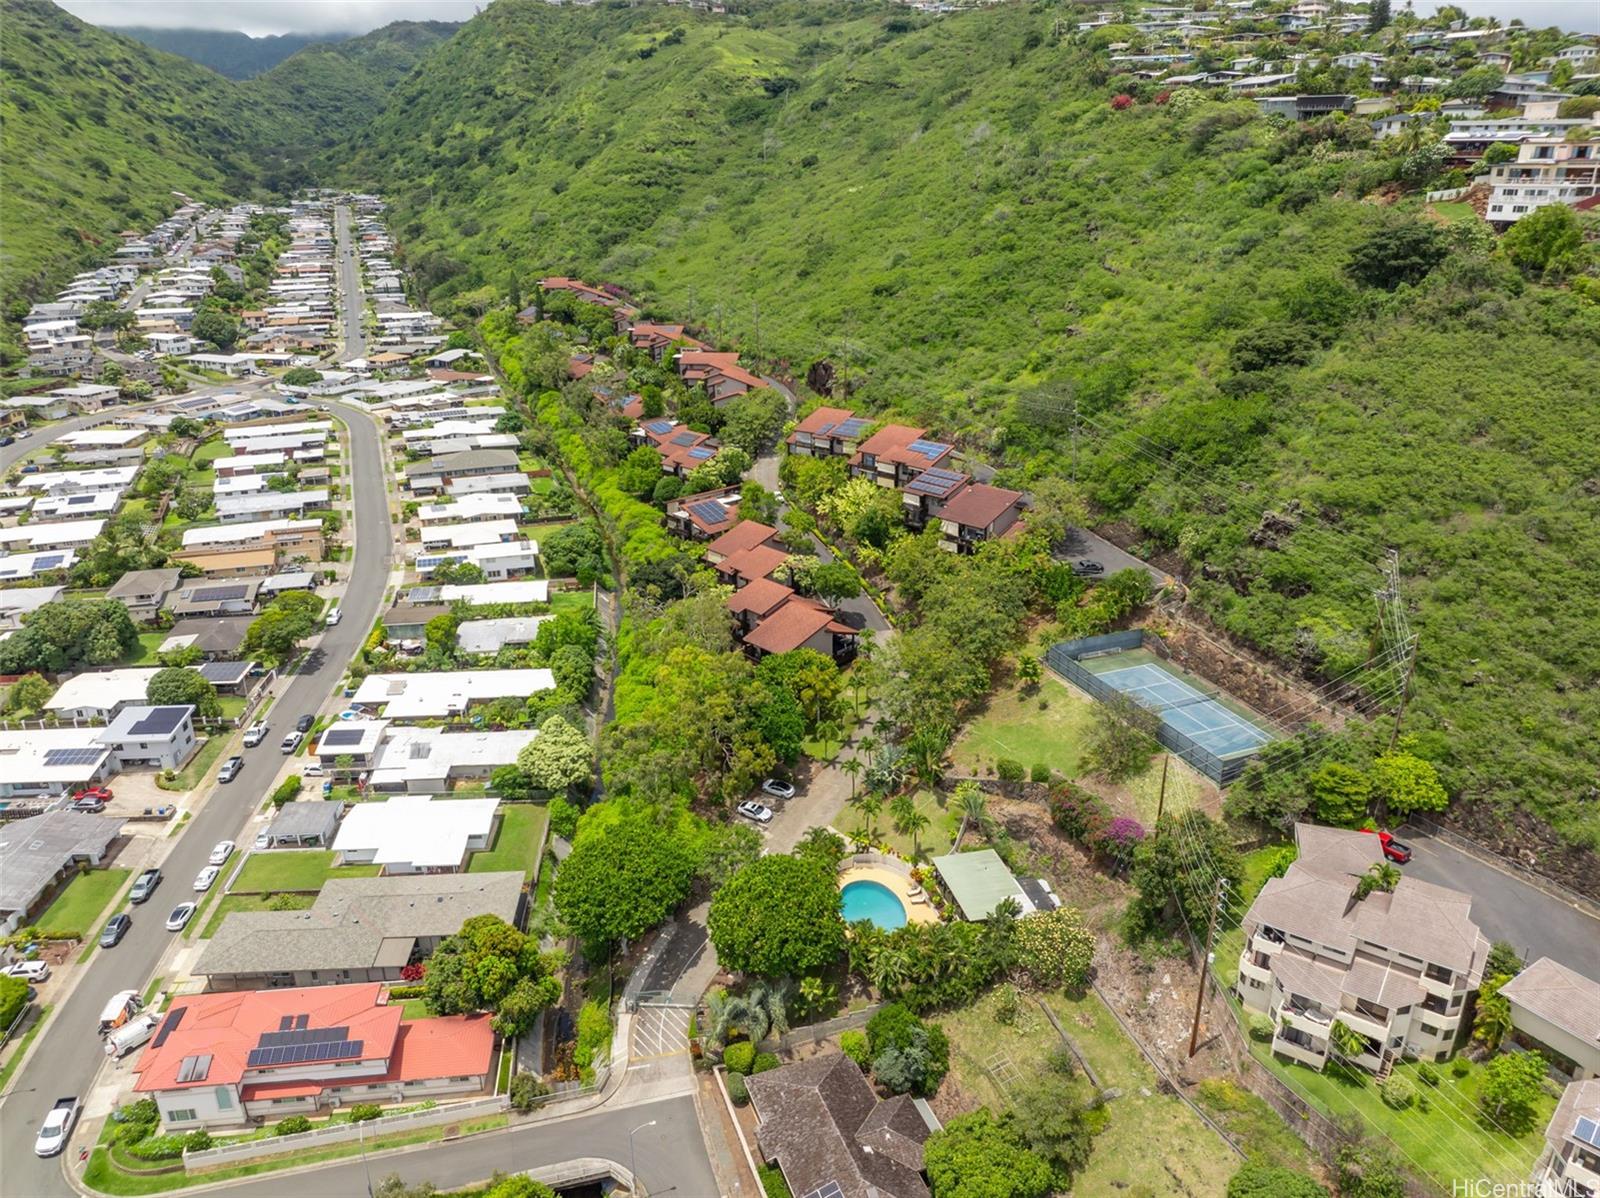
897	884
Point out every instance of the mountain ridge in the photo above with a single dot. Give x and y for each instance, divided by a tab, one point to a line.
229	52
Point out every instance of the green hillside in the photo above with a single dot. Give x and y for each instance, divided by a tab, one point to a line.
96	131
953	215
226	51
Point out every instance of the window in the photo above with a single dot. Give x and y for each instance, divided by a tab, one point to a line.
1429	1030
184	1116
224	1098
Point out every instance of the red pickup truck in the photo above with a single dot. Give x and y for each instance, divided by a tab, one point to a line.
1392	848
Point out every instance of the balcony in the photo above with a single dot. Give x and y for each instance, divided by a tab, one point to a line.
1314	1054
1433	986
1313	1022
1254	966
1365	1024
1262	942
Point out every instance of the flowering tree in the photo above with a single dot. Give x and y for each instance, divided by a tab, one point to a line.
1055	948
1122	101
1119	838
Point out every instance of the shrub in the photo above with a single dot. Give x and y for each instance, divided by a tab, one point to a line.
525	1091
1078	813
400	993
197	1141
158	1148
739	1057
853	1044
737	1089
1007	1004
771	1176
908	1056
363	1111
765	1061
143	1111
289	788
1397	1091
13	997
1427	1074
594	1033
1460	1067
564	818
293	1125
1040	772
1009	770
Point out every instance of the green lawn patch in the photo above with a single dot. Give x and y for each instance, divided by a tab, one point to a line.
1455	210
578	600
934	840
152	988
1154	1145
1444	1143
304	870
19	1046
232	706
249	902
414	1008
516	845
78	908
145	654
199	765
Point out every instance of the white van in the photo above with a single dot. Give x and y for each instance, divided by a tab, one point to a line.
131	1034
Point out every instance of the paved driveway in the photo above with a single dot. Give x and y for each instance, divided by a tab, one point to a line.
1507	908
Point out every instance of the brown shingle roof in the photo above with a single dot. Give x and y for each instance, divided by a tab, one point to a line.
754	563
761	597
823	418
1563	996
791	626
980	505
745	535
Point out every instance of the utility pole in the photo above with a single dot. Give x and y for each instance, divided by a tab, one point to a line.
1397	635
1205	967
1161	800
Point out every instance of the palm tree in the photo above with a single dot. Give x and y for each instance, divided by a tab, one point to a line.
853	767
869	745
869	805
908	821
974	807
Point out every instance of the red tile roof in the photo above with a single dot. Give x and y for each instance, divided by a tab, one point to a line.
697	363
791	626
227	1027
762	597
745	535
891	444
755	563
448	1046
823	417
980	505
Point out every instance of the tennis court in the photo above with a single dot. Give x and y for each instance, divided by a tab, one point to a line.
1200	717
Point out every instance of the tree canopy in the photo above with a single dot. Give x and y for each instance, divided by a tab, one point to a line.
177	685
625	874
977	1156
778	917
70	633
559	758
489	965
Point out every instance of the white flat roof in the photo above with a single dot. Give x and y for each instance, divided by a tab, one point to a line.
26	599
420	696
66	532
490	636
277	430
84	503
469	506
104	436
104	478
23	755
273	501
26	565
430	753
102	689
229	534
479	594
415	829
465	536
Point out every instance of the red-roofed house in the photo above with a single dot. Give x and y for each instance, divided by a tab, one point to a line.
828	433
720	374
896	454
978	513
755	602
656	339
747	534
697	365
224	1059
705	516
801	623
747	565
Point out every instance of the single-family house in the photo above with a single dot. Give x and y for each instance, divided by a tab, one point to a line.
38	852
144	591
269	505
703	516
498	561
1547	170
205	598
160	737
801	623
490	636
15	566
416	834
470	509
18	603
447	694
925	495
217	638
977	514
434	475
1556	1012
98	695
282	541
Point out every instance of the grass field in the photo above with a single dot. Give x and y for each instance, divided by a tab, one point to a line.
19	1046
78	908
249	902
1455	210
200	764
1154	1145
303	870
934	840
516	846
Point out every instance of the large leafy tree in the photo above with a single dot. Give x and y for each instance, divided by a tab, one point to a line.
68	633
1055	947
1176	871
489	965
977	1156
559	758
177	685
623	877
1399	253
1051	1117
1405	783
778	917
275	634
1512	1084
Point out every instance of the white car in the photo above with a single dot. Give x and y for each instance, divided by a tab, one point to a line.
290	742
205	877
755	811
221	853
263	840
180	917
31	971
334	616
256	734
57	1127
777	788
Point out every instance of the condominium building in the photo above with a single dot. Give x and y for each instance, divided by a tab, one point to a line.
1547	170
1396	967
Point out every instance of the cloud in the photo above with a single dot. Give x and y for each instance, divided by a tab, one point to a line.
261	17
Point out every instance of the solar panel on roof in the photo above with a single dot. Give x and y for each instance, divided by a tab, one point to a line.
168	1026
72	756
160	722
709	511
342	736
928	449
50	562
659	426
1588	1131
221	593
700	451
686	438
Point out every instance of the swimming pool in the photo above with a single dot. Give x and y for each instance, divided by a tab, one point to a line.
875	902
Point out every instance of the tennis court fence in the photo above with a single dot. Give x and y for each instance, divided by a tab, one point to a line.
1066	659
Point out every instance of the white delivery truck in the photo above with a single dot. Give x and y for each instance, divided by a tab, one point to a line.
130	1035
120	1008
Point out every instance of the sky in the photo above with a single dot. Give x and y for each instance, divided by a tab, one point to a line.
259	17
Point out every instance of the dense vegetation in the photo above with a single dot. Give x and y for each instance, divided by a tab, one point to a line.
953	218
226	51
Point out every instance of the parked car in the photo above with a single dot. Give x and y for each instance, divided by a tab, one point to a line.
290	742
144	885
88	806
334	616
1392	848
263	841
116	928
752	810
777	788
33	971
221	852
208	875
230	769
1085	566
180	917
131	1034
57	1126
95	794
303	724
255	734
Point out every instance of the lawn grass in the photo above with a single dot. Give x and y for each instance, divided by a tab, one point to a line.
232	706
78	908
1444	1143
304	870
579	600
1455	210
1154	1145
516	845
19	1046
248	902
414	1008
150	990
193	774
145	654
934	840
